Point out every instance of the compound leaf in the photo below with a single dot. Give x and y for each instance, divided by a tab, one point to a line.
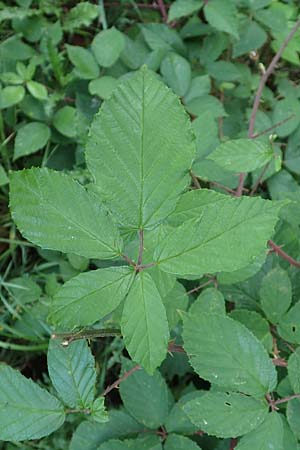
144	323
227	354
140	182
55	212
26	410
90	296
72	372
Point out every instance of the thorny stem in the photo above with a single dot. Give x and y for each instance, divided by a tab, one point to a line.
119	380
259	179
196	289
286	399
278	250
267	130
163	10
258	95
85	334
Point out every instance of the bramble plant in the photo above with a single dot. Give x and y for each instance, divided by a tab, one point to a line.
149	276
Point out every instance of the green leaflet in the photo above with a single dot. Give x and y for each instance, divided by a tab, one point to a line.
213	241
276	294
257	324
293	416
289	324
210	301
90	296
30	138
57	213
144	323
294	370
177	73
226	414
222	16
26	410
177	442
269	435
72	372
181	8
242	155
145	397
124	151
177	420
85	65
107	46
227	354
141	443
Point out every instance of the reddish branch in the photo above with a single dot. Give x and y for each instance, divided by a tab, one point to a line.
258	95
132	5
233	443
278	250
163	10
119	380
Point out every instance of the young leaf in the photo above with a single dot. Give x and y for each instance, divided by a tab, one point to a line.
63	121
107	46
182	8
176	71
177	442
72	372
145	397
85	65
90	296
81	15
11	95
242	155
212	242
98	411
226	353
269	435
222	16
294	370
26	410
276	294
37	90
140	182
42	203
144	323
176	299
30	138
226	414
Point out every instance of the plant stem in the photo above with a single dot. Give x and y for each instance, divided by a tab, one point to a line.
258	95
259	179
286	399
86	334
163	10
23	348
119	380
278	124
141	249
278	250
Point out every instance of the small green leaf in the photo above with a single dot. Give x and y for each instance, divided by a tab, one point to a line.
3	177
293	416
26	410
144	323
212	242
227	354
200	85
98	411
90	296
140	443
177	73
226	414
81	15
252	37
177	442
209	301
176	299
242	155
103	87
37	90
269	435
294	370
107	46
11	95
145	397
276	294
182	8
64	121
30	138
42	204
284	109
85	65
24	289
72	372
222	16
289	325
206	104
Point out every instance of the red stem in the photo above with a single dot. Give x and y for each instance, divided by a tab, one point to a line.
163	10
286	399
119	380
278	250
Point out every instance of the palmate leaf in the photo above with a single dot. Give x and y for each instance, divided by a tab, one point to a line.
213	241
140	150
227	354
55	212
26	410
144	323
226	414
90	296
72	372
